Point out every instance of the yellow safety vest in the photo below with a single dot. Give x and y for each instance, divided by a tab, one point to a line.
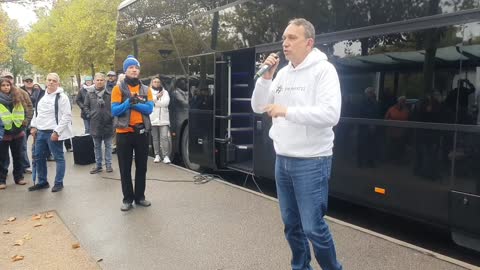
15	117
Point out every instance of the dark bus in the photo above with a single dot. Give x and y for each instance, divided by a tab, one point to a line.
408	141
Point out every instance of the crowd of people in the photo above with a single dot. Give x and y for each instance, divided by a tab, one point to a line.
46	115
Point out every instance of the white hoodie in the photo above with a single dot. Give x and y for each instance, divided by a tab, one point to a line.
160	115
45	119
311	93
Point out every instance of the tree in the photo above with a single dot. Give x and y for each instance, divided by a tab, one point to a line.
15	62
77	36
4	30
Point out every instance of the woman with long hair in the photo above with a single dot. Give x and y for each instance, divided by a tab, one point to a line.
13	115
160	121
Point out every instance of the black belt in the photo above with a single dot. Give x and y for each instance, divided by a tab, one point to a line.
46	130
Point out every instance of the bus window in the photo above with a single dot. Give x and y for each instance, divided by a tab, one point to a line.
465	93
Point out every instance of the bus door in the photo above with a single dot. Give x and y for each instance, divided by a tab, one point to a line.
201	123
235	133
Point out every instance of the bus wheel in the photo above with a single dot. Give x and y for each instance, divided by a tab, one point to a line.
185	156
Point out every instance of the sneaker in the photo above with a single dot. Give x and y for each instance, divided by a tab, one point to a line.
57	188
109	169
70	150
28	170
39	187
21	182
50	158
157	159
114	151
3	186
166	160
96	170
126	206
143	203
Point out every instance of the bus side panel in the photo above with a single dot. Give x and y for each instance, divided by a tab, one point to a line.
201	140
369	166
263	151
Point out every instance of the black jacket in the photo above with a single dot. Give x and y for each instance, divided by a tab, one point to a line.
99	112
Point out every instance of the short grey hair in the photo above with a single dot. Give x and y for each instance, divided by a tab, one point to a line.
54	75
99	74
308	26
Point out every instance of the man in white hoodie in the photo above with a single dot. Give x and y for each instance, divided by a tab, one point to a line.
51	124
304	101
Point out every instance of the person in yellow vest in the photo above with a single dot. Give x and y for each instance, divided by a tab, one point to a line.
12	113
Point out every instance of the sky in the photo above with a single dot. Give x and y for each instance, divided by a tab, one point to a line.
24	14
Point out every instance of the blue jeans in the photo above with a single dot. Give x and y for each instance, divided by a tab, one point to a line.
42	144
25	160
86	122
302	189
97	141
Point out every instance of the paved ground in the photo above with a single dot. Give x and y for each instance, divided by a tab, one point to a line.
41	242
210	226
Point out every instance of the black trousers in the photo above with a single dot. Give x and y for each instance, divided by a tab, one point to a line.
16	147
127	143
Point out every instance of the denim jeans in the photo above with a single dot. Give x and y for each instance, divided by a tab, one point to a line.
25	160
86	123
302	189
42	144
97	141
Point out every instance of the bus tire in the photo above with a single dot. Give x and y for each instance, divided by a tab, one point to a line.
185	156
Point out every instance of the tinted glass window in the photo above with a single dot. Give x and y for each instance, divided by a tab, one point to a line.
241	26
201	70
145	15
188	39
420	67
467	95
123	49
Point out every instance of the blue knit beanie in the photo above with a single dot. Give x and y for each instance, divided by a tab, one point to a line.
130	61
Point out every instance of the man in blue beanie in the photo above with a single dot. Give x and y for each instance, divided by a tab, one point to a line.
132	104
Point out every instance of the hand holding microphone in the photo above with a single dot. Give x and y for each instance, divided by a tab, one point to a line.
269	66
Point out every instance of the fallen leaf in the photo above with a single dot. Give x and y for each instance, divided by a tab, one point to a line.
100	260
37	225
37	217
27	237
19	243
48	215
75	246
17	258
6	232
11	219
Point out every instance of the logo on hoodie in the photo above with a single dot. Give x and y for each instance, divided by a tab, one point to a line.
280	89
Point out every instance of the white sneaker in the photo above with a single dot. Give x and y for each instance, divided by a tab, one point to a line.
157	159
166	160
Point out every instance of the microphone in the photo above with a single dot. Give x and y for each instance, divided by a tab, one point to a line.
265	68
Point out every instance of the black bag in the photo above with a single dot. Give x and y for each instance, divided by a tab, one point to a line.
83	150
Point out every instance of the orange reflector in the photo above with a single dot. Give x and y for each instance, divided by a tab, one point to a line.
380	190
